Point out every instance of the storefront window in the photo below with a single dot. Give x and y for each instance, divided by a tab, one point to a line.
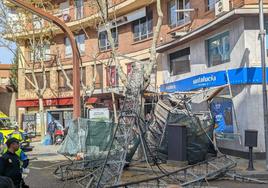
178	18
143	28
218	49
180	62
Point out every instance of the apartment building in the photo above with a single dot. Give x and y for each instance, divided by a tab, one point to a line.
7	93
222	50
202	44
135	20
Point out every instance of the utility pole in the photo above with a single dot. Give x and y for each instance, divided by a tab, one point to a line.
76	56
264	82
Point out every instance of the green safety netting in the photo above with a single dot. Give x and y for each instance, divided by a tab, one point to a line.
92	138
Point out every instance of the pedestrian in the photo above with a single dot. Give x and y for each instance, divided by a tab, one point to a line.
51	130
6	182
10	163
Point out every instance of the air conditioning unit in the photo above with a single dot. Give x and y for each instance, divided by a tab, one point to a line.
177	34
221	7
66	17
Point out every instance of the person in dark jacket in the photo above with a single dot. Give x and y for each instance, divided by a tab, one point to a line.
6	182
10	163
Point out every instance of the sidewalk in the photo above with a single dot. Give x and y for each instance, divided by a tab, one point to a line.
260	171
45	153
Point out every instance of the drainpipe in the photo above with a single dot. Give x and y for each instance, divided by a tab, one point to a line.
76	55
264	82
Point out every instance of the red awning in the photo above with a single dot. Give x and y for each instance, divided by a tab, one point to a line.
47	102
92	100
51	102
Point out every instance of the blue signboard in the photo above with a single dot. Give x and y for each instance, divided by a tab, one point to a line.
238	76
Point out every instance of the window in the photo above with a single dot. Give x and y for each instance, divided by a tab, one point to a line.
218	49
80	40
178	18
40	53
37	22
4	81
112	76
104	43
99	76
62	82
143	28
129	68
64	7
211	4
79	9
266	29
39	79
180	62
13	20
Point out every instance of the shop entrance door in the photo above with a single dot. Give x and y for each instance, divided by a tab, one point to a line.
58	116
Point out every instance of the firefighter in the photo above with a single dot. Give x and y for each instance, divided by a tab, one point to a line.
16	134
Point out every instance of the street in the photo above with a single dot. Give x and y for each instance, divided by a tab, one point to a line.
45	160
41	176
136	92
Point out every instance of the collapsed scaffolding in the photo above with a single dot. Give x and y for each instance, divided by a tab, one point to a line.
108	147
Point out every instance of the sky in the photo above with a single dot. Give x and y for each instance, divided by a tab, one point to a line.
6	56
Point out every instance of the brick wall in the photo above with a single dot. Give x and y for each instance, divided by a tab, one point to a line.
127	45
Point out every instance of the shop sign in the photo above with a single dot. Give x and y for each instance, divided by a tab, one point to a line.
99	114
238	76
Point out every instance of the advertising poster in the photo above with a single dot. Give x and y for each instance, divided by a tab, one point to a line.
222	112
29	123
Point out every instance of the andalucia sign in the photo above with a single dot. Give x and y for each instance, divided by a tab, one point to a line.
237	76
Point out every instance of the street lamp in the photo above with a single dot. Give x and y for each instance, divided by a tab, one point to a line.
264	82
76	55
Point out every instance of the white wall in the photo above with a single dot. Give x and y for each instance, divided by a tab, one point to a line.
245	52
199	55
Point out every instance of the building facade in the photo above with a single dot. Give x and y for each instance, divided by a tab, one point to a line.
202	44
133	36
7	93
223	52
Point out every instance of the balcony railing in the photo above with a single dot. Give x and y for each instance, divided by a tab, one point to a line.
76	13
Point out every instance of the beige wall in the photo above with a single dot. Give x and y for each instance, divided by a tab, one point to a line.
8	103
